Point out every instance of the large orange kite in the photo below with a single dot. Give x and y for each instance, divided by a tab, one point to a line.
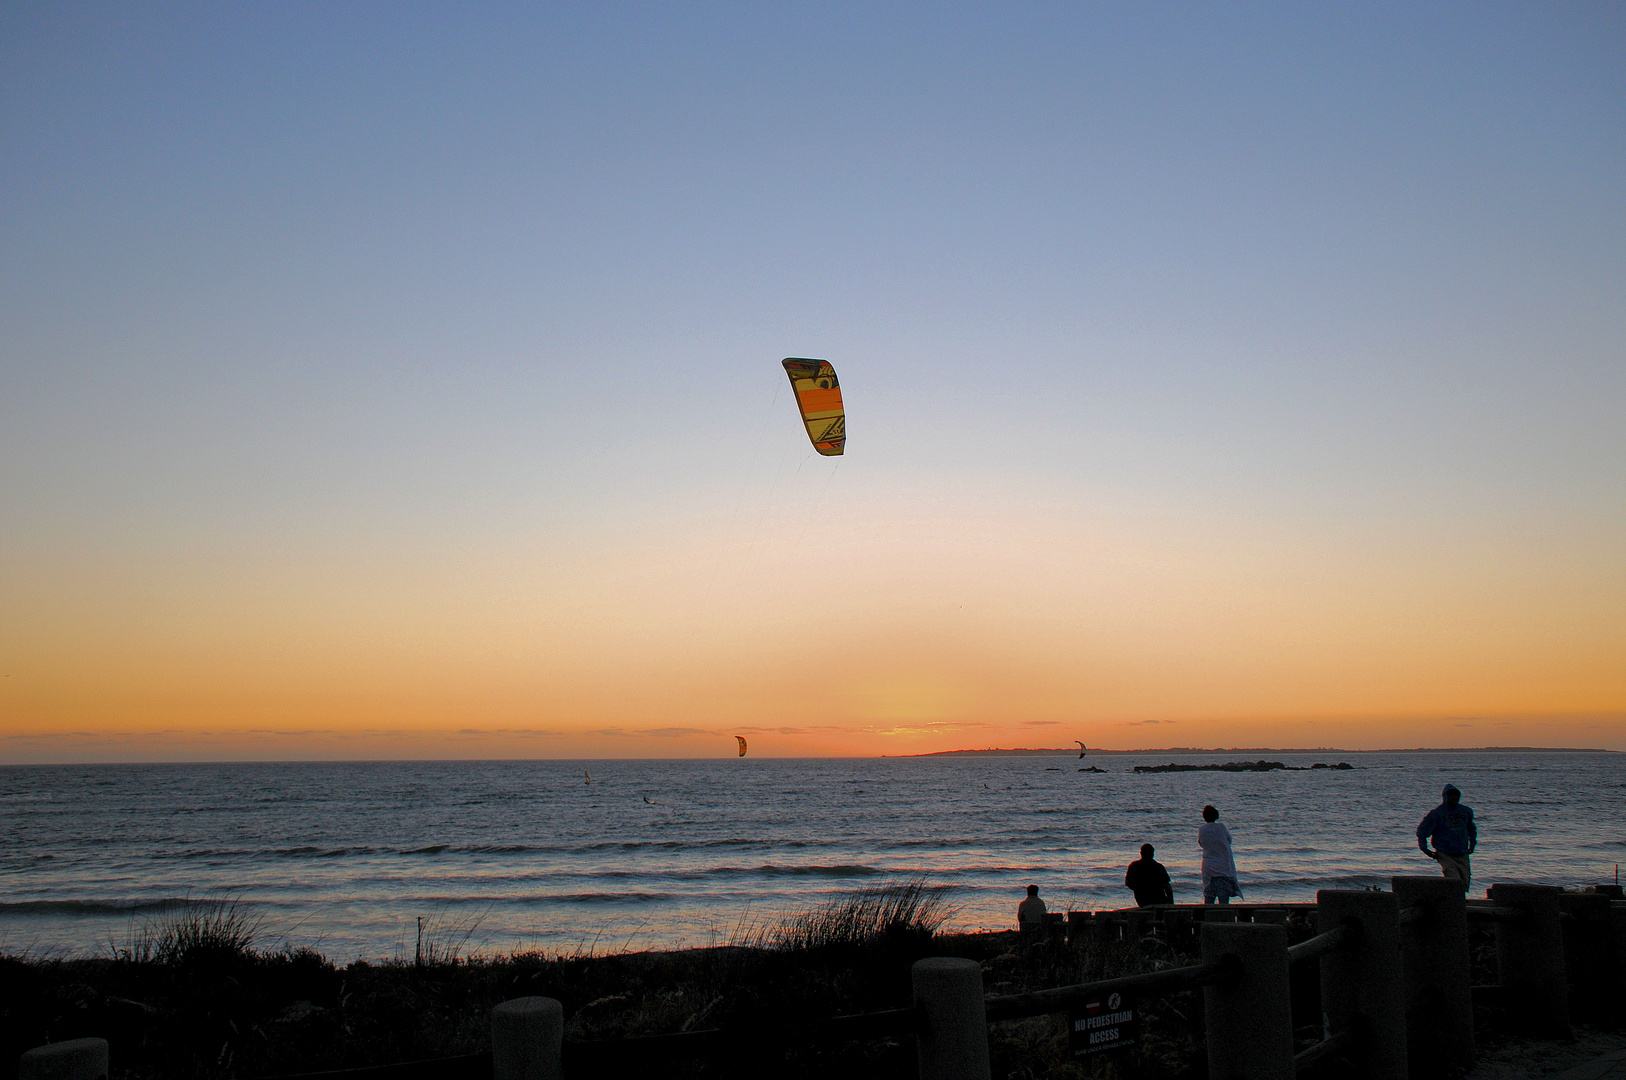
818	396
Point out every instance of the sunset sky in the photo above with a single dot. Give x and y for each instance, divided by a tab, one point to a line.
392	381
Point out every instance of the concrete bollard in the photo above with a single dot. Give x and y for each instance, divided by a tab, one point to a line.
1249	1022
953	1040
1361	983
71	1059
1590	962
527	1038
1530	958
1434	964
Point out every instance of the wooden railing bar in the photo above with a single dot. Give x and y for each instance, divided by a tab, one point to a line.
1062	998
1331	1046
1323	943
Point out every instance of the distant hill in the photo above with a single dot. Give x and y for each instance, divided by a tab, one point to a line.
1017	752
1064	751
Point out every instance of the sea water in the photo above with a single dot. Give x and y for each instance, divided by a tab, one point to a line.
608	855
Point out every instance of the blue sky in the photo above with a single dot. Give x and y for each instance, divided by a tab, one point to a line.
294	292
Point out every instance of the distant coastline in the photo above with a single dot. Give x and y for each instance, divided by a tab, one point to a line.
1064	751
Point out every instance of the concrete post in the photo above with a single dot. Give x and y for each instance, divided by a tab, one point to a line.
1530	957
1590	961
527	1038
1179	923
953	1040
1136	922
71	1059
1361	984
1250	1021
1617	924
1434	964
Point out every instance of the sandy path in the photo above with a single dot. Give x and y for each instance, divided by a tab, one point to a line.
1585	1058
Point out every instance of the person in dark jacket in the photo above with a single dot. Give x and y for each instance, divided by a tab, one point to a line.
1148	880
1031	917
1451	826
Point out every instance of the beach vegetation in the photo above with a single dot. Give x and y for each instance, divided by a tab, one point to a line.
194	996
912	909
212	931
443	939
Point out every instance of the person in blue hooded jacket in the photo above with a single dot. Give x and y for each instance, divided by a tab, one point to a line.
1451	826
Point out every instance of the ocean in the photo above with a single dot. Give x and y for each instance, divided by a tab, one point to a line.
513	855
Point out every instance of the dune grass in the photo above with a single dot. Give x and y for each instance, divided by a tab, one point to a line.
913	908
444	938
218	929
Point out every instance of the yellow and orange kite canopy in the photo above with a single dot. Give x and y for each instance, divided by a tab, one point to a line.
818	396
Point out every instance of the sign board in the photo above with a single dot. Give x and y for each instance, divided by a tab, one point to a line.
1107	1022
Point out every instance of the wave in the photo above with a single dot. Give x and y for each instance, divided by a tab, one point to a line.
1315	881
842	871
94	907
605	897
304	851
319	851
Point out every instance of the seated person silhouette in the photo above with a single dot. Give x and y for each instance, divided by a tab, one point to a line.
1148	880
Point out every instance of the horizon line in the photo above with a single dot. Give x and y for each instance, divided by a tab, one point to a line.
1061	751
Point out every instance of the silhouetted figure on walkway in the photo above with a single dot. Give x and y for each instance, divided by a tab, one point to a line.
1219	867
1148	880
1451	826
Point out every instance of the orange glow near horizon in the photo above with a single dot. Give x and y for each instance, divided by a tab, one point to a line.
910	634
